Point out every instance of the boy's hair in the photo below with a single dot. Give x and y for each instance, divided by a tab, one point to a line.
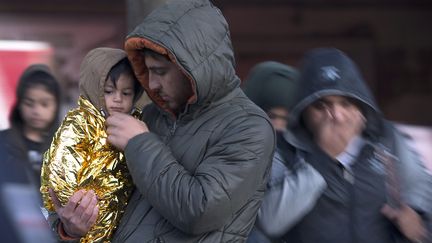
124	67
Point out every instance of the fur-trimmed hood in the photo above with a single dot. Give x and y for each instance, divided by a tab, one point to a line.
202	49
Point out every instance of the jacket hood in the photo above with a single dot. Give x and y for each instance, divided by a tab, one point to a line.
194	35
271	84
94	73
329	71
34	69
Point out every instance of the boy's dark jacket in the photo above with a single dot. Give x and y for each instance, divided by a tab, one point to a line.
350	212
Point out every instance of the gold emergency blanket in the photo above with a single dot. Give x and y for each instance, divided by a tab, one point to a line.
80	157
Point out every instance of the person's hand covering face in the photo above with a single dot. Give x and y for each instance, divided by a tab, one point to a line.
334	121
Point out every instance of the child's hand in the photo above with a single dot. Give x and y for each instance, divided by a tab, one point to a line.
79	214
122	127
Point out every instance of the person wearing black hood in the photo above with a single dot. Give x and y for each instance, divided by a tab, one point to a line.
376	189
34	119
272	85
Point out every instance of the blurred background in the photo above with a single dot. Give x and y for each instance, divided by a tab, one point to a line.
391	40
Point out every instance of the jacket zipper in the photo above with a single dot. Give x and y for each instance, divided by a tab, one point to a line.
173	128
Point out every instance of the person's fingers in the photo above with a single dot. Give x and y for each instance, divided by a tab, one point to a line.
411	224
112	131
55	200
84	203
116	119
390	212
94	216
329	113
362	117
88	206
87	198
74	201
115	124
91	213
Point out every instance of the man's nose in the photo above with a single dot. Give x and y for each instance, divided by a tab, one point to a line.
337	112
154	83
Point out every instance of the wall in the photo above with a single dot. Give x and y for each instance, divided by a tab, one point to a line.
391	44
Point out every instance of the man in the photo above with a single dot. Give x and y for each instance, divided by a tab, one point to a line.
201	155
375	191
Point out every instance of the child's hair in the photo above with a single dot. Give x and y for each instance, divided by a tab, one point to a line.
29	81
124	67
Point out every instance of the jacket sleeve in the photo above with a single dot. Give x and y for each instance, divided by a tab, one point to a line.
416	182
235	165
290	195
54	222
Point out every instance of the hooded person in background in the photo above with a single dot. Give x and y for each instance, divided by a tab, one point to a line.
200	157
272	86
33	120
377	191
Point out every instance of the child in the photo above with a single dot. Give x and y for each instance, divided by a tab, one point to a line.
33	120
80	157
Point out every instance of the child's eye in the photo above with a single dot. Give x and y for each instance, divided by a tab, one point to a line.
28	103
127	93
45	104
108	91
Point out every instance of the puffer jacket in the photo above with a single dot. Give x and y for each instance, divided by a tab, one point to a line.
199	175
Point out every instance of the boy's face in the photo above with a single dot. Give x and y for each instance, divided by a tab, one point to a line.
168	82
119	98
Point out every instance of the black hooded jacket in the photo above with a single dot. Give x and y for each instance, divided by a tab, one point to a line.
349	208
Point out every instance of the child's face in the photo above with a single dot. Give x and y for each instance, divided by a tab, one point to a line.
119	98
38	108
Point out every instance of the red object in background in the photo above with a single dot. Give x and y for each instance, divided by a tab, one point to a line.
15	56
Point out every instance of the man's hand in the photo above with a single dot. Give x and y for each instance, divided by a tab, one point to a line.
333	135
122	127
407	220
79	214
